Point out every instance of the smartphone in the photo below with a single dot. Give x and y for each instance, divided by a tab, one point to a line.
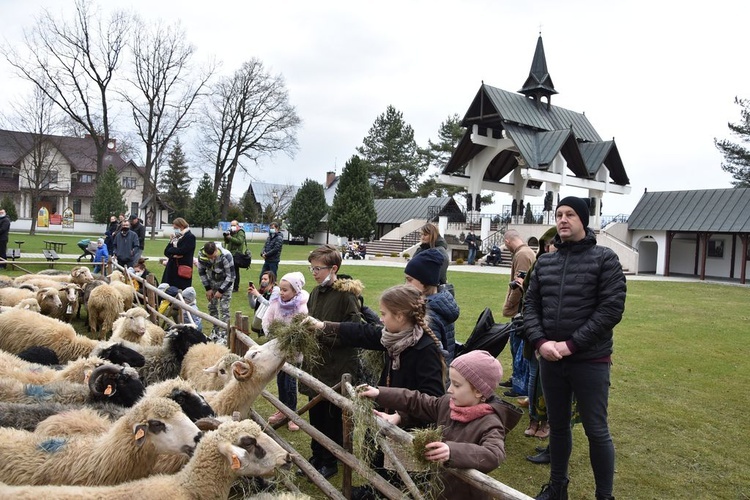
250	284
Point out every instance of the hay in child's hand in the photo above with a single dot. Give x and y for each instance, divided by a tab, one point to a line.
422	437
295	338
364	427
429	481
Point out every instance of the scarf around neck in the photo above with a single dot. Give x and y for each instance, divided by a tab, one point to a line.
466	414
292	306
397	342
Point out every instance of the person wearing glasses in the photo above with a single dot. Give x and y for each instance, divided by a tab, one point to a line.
334	299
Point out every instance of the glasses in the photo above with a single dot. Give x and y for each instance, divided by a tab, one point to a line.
317	269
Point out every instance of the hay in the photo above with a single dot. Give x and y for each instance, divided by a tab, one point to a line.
429	479
295	338
372	363
364	428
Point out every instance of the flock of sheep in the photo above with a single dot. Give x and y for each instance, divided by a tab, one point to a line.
146	413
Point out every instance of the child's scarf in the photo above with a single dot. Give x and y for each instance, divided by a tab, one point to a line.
398	342
466	414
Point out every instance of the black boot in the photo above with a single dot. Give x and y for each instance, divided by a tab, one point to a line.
541	458
554	491
604	497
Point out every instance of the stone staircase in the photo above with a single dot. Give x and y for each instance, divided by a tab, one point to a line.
384	247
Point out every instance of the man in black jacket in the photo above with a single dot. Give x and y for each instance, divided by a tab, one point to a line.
140	230
576	296
272	250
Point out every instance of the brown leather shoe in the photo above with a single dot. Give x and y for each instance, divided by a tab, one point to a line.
543	430
531	429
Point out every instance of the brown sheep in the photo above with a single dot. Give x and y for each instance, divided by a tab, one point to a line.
104	306
208	366
134	326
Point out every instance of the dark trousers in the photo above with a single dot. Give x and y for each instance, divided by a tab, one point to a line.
3	252
287	389
270	266
589	382
237	279
326	417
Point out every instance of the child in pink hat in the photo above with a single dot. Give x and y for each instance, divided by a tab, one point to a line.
286	302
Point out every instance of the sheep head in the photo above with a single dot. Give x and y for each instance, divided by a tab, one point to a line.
135	319
116	384
162	422
182	392
120	355
248	451
30	304
50	296
182	337
81	275
222	368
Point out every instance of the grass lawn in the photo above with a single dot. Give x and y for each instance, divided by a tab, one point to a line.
679	391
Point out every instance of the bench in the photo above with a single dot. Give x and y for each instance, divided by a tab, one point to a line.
51	256
55	246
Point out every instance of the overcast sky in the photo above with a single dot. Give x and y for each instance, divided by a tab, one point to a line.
658	76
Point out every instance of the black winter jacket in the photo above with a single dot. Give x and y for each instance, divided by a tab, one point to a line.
577	293
443	312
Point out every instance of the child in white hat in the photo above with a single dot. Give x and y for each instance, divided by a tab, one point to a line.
286	302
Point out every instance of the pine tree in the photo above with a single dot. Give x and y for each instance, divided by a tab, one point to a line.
391	156
109	197
175	182
204	210
306	210
437	155
10	207
353	211
737	156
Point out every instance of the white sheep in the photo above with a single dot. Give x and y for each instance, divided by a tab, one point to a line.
234	449
104	306
78	275
126	452
11	366
11	296
21	329
250	376
134	326
30	304
208	366
70	294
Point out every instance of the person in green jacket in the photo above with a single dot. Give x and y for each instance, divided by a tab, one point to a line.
234	241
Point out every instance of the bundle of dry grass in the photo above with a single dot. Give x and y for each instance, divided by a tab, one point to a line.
364	428
296	338
428	480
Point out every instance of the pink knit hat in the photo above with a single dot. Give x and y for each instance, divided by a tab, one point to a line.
481	370
296	279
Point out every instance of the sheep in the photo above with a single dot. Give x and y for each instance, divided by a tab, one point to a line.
6	281
207	366
87	288
30	304
40	355
70	294
89	421
78	275
11	296
126	452
29	416
251	374
112	383
11	366
21	329
104	305
117	280
134	326
234	449
165	361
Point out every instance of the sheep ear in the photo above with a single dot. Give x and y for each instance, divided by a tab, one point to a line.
139	434
122	314
211	369
234	455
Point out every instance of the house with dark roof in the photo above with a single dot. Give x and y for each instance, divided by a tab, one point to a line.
702	233
518	143
69	177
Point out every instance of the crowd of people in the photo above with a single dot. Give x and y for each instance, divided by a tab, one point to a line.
566	299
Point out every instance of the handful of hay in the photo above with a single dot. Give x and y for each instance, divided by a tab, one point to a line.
364	428
295	338
421	438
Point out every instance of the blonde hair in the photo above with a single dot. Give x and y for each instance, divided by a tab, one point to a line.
432	231
408	301
180	222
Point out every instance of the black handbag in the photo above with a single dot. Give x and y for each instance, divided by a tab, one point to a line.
243	259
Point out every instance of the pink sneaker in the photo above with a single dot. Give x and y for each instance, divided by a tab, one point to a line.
276	418
292	426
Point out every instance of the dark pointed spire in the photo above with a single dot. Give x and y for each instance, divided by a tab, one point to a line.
539	83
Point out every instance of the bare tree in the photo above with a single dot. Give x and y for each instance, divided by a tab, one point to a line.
247	117
37	149
73	62
164	94
278	206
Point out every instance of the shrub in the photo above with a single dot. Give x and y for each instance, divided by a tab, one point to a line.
459	261
406	255
378	255
394	254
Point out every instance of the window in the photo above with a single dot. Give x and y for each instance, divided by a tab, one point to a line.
85	178
6	172
77	207
49	180
134	208
129	182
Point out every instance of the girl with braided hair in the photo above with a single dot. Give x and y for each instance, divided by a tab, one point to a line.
413	357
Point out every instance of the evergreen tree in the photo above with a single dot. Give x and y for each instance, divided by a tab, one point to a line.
249	208
109	197
204	210
437	155
737	156
353	211
10	207
392	158
175	182
306	210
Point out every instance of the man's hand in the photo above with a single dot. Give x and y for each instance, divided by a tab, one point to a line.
209	295
437	451
563	349
218	295
549	351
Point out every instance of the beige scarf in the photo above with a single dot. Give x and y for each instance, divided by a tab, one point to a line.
396	343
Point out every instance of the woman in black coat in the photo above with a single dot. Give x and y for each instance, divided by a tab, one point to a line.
179	251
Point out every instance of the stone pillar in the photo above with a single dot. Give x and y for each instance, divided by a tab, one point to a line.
442	224
484	232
